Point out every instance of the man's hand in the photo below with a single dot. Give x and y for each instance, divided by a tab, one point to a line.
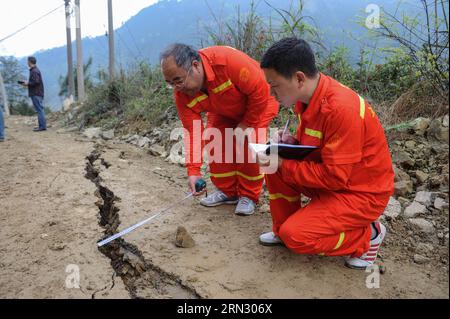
241	135
279	137
191	182
263	160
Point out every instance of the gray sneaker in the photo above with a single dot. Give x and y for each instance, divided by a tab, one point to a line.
245	207
218	198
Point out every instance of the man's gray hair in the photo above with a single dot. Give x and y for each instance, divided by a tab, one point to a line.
183	54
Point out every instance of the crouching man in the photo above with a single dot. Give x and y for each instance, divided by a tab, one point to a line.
349	179
230	88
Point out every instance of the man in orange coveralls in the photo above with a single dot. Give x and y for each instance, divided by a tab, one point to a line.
349	179
231	88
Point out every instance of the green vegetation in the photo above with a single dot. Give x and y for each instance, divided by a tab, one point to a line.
411	80
138	98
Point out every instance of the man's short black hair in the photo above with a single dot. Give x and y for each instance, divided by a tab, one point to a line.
289	56
32	59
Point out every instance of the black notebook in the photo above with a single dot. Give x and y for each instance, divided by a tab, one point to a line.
286	151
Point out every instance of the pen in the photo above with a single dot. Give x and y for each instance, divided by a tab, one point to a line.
286	128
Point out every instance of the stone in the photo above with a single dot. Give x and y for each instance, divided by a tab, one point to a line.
393	209
400	175
420	125
410	144
436	181
420	260
132	259
108	135
183	238
440	204
175	159
403	188
403	158
403	201
424	249
143	142
424	198
157	150
414	209
445	121
57	246
438	132
133	139
421	176
422	224
93	132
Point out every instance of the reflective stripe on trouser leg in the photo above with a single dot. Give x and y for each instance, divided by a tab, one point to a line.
223	173
250	179
318	229
224	177
284	200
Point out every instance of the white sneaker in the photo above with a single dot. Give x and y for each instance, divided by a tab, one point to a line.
270	239
368	259
218	198
245	207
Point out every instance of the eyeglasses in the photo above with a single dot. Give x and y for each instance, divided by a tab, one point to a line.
179	84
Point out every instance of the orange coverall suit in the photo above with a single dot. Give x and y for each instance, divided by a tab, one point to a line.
349	179
237	92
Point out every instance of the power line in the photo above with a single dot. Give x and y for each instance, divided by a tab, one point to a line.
127	47
31	23
134	40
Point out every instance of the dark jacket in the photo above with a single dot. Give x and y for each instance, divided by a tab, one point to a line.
35	83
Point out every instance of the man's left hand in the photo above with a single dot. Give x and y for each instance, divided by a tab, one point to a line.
263	160
241	135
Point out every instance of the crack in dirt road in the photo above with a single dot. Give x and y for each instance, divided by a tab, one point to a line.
127	260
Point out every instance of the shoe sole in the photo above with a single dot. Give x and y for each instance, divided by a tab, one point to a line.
270	244
244	214
356	267
220	204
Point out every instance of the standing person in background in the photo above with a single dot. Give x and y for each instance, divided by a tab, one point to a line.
35	86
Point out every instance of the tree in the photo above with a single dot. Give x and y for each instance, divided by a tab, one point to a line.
64	80
424	39
253	34
12	72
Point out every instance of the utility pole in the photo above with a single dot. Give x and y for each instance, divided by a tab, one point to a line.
69	52
80	66
5	97
112	54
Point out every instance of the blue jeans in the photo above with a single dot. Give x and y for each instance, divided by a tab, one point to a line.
2	125
39	107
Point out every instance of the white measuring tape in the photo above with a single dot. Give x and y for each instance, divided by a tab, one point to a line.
130	229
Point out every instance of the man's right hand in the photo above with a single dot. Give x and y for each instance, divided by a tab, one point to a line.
192	180
279	137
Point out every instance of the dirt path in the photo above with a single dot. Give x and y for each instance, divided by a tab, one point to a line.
49	220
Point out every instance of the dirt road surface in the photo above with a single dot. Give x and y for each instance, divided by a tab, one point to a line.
55	205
